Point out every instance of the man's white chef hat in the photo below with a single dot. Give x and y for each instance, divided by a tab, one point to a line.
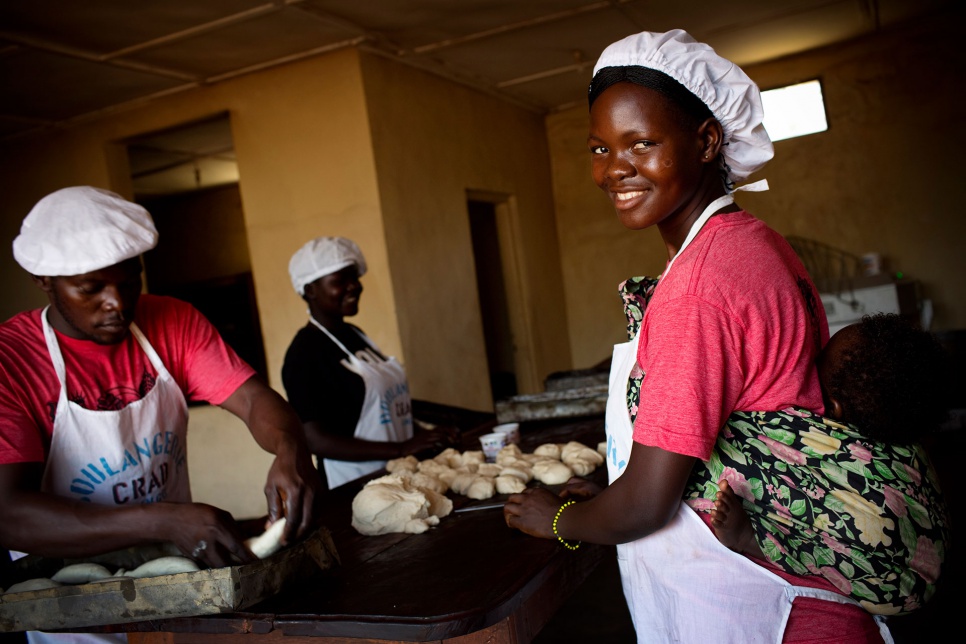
722	86
323	256
82	229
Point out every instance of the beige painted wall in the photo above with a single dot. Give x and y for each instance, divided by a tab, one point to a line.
885	177
436	141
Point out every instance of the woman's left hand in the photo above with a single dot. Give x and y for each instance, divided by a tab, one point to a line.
532	511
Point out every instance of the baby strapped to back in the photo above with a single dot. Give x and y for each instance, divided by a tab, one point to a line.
850	496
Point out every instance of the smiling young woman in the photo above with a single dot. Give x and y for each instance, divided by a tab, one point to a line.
734	323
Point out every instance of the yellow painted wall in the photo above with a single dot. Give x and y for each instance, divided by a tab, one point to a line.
433	142
885	177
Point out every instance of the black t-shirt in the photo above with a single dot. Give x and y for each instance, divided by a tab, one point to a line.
318	385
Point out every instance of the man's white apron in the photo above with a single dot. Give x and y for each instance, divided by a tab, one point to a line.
133	455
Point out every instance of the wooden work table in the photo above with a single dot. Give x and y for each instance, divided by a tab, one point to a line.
470	579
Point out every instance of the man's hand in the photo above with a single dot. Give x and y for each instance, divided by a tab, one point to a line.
293	483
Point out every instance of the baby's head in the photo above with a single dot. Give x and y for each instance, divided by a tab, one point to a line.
887	377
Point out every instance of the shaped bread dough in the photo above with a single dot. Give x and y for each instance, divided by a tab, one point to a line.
551	472
508	453
406	463
433	468
449	457
40	583
548	449
81	573
575	450
439	504
489	469
171	565
473	456
509	484
481	488
462	482
269	542
522	471
602	448
580	466
385	506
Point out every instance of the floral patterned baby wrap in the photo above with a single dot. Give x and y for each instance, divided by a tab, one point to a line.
823	499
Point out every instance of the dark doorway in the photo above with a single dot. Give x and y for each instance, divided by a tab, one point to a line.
491	288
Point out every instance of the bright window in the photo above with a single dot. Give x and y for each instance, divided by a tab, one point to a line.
794	110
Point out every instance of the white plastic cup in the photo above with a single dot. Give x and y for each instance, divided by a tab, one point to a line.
512	431
492	444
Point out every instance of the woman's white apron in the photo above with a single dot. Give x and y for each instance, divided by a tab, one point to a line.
680	583
386	414
133	455
137	454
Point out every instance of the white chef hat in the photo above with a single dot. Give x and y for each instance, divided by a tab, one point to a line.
82	229
323	256
731	95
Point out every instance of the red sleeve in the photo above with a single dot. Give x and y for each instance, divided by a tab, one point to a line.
693	376
204	366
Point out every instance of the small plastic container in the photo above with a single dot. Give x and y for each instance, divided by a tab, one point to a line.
492	444
512	431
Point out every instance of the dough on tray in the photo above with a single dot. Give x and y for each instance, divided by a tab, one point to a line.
171	565
40	583
552	472
81	573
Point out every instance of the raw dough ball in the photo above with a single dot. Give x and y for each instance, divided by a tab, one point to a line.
509	484
481	488
489	469
548	449
39	583
602	448
406	463
440	505
580	466
433	468
462	481
426	482
575	450
164	566
508	453
551	472
80	573
449	457
520	470
385	506
269	542
473	456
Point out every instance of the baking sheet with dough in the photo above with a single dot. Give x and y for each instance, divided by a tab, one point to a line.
125	599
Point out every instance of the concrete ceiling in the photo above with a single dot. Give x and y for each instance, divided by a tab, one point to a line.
66	61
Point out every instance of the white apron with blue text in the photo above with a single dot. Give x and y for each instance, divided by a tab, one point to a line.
133	455
386	414
681	583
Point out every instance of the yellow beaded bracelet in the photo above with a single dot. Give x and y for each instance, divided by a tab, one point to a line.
569	546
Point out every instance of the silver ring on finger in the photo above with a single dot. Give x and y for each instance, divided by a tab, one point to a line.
201	547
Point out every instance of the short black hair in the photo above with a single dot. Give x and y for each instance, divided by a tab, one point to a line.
892	382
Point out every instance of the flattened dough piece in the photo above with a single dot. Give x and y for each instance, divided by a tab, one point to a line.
40	583
81	573
269	542
164	566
